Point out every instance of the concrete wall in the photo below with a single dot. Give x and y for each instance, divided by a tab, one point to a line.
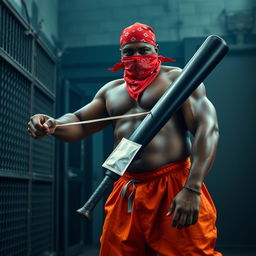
44	12
86	23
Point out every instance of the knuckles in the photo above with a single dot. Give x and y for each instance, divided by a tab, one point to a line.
37	126
186	210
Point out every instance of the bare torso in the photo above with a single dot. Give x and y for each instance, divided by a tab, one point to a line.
171	144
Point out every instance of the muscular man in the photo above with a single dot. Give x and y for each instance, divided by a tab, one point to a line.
172	212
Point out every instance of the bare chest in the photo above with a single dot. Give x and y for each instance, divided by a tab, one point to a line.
119	102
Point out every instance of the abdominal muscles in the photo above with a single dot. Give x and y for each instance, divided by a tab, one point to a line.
169	145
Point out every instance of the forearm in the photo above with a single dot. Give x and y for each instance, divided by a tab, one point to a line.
202	156
70	133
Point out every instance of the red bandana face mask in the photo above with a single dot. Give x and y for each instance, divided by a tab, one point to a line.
140	71
139	67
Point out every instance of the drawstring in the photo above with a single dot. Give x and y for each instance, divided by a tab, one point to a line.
130	197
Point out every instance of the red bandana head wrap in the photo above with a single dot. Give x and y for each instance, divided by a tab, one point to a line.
138	32
140	70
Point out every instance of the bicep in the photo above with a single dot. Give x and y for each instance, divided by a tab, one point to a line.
94	110
199	112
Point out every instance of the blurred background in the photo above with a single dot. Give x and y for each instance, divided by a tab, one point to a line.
54	57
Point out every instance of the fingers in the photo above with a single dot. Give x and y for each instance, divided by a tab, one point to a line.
37	127
172	208
182	221
189	219
176	217
32	130
50	126
37	121
183	218
186	207
195	217
183	215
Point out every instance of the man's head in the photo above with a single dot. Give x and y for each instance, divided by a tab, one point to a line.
140	59
138	39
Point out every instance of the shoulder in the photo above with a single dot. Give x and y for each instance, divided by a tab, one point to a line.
174	72
171	71
108	87
198	101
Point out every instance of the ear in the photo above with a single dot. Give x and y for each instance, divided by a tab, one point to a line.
120	50
157	47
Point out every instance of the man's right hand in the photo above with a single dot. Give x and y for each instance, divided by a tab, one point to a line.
41	125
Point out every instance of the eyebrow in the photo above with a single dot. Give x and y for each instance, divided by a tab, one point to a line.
142	47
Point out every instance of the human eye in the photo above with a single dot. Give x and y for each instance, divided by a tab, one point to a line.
144	50
127	52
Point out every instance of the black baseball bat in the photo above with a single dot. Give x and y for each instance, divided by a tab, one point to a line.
197	69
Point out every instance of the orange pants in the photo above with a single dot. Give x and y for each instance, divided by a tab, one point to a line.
146	230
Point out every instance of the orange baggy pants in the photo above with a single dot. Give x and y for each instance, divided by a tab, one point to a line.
146	230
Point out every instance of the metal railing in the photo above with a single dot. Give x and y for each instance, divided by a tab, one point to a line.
27	86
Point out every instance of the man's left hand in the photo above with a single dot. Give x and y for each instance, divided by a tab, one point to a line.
185	207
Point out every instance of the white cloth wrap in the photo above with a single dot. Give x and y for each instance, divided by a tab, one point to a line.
120	159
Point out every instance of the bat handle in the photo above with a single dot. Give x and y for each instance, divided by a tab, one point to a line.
85	211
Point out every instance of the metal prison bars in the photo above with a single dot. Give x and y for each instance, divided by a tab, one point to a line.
27	86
